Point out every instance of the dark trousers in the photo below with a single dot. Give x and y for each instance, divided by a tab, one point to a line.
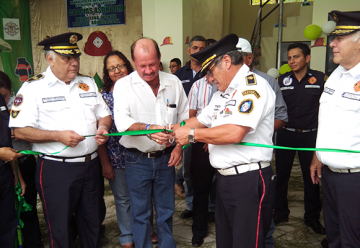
243	210
31	231
65	189
7	207
284	161
202	174
341	208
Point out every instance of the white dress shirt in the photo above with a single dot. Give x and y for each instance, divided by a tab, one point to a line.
246	105
135	102
50	104
339	119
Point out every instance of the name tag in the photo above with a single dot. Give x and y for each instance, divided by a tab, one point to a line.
185	81
351	96
2	108
312	86
53	99
329	91
287	88
90	94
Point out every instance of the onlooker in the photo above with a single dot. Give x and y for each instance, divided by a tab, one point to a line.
150	99
7	196
188	75
53	110
175	64
209	42
301	89
339	118
27	164
112	156
281	116
161	68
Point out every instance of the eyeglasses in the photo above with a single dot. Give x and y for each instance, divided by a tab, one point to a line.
209	72
120	67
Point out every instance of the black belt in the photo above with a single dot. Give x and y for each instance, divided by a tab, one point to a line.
298	130
22	159
156	154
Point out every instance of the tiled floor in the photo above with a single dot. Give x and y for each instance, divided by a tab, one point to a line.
291	234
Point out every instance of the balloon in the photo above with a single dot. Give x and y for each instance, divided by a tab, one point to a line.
312	31
328	27
284	69
273	72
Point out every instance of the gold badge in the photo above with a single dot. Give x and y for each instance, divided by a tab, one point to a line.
14	113
357	87
312	80
336	18
250	80
73	39
84	86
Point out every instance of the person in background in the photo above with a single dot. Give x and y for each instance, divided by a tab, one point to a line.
188	75
301	89
209	42
161	68
27	165
111	154
175	64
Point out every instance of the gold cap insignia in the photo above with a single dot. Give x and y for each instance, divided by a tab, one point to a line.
73	39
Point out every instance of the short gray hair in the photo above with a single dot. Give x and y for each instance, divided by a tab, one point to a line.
356	36
235	55
52	54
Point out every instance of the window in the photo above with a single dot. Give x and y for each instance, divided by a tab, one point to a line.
257	2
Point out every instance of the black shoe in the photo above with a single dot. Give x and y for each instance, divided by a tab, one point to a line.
211	217
316	227
186	214
324	243
197	241
279	219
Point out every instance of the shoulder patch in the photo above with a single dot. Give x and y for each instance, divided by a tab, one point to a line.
37	77
246	106
250	79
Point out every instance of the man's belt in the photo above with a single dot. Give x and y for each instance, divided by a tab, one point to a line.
239	169
344	170
155	154
84	158
297	130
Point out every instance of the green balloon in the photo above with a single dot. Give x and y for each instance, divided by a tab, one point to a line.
312	31
284	69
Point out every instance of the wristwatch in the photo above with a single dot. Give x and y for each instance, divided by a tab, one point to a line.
191	135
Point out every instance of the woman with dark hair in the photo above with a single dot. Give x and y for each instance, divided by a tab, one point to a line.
111	154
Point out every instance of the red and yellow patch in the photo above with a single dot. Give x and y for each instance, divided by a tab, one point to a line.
84	86
357	87
73	39
312	80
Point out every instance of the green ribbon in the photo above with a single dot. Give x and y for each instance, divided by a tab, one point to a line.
297	149
143	132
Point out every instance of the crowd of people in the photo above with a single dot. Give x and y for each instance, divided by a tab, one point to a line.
223	100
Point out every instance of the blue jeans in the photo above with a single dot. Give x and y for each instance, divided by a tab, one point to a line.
269	240
145	175
122	203
189	192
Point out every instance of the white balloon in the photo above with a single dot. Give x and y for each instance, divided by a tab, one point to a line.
328	27
273	72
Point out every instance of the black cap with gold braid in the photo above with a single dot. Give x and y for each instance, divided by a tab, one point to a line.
207	55
346	22
63	44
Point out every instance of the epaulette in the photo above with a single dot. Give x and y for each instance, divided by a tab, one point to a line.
250	79
81	75
37	77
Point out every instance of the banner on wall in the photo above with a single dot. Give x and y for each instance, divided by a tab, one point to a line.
91	13
11	28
